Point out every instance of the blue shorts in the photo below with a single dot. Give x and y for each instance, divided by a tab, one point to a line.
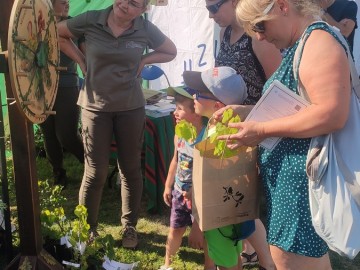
180	215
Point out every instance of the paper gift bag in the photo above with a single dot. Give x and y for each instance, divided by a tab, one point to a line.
225	191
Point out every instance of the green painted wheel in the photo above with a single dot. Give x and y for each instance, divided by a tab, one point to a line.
33	57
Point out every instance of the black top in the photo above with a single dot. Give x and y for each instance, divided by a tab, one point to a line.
344	9
241	57
69	77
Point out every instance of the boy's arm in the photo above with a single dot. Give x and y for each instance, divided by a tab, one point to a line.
171	175
196	236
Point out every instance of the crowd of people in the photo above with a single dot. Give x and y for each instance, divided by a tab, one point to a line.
259	41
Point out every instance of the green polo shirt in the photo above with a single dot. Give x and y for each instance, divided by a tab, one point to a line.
112	62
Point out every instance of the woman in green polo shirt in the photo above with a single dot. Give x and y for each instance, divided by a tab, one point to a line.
112	101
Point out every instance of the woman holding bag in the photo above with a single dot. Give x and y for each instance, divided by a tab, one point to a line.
255	61
325	76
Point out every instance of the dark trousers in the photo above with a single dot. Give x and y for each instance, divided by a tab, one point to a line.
62	130
127	127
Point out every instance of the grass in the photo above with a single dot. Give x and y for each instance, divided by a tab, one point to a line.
152	228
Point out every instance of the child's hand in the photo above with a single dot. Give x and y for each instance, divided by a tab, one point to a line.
196	237
167	196
188	198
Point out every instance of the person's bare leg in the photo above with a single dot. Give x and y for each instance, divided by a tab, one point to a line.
240	266
248	250
291	261
173	243
259	243
198	241
208	262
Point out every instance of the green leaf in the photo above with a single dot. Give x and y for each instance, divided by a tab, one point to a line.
227	115
221	128
186	131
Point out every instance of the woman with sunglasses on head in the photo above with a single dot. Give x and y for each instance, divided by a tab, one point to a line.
323	73
112	102
255	61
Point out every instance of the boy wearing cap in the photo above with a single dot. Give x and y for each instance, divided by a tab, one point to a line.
177	192
215	88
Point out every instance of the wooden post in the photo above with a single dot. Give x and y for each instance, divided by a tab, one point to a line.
31	256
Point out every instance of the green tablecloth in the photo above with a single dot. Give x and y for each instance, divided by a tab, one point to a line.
157	155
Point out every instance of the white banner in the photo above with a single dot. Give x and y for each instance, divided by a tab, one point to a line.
187	24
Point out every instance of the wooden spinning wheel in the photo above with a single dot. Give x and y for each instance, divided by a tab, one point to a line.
31	81
33	57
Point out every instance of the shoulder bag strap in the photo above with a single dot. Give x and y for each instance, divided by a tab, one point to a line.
355	81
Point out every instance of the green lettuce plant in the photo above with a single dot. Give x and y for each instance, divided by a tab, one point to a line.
74	233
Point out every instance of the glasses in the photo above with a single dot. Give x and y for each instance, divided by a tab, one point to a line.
215	7
260	26
199	96
133	3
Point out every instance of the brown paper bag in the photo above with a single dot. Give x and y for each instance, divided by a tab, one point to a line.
225	191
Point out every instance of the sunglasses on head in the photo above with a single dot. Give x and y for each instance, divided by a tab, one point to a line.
199	96
215	7
260	26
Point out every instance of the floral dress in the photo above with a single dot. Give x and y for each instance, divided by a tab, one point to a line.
285	180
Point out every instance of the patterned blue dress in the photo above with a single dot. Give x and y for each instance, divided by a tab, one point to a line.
286	183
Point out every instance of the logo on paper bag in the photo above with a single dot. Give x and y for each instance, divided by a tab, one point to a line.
229	195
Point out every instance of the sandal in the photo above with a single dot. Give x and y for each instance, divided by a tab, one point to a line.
249	259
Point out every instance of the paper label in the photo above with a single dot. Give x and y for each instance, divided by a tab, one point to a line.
278	101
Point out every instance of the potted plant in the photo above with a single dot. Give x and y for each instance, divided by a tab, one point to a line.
67	240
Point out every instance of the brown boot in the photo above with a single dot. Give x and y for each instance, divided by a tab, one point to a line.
130	239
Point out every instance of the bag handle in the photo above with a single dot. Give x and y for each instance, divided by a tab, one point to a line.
353	187
355	81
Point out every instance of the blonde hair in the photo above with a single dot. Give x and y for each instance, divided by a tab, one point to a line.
250	12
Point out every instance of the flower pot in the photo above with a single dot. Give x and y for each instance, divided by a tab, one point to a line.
59	252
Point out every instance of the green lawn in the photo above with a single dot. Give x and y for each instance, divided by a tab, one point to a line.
152	228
